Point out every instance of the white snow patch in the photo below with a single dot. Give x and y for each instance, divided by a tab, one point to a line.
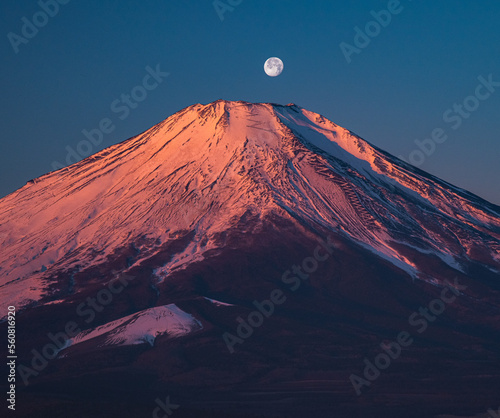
218	303
445	257
397	259
143	326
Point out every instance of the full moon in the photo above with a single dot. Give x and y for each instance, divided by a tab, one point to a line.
273	67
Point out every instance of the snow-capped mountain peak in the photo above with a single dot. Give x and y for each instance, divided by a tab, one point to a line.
206	169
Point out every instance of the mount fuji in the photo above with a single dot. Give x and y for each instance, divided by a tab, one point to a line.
203	215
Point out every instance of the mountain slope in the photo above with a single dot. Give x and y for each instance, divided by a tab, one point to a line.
157	247
205	167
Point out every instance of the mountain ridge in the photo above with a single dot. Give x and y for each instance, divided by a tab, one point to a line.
157	247
207	165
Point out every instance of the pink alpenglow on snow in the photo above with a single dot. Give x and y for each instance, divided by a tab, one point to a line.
207	165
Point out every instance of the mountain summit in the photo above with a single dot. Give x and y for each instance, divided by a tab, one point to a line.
207	168
160	247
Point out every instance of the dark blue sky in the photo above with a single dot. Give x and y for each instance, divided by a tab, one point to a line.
394	91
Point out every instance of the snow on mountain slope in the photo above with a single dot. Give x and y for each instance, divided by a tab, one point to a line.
205	167
141	327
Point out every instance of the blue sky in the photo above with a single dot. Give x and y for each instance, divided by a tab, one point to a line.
395	90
